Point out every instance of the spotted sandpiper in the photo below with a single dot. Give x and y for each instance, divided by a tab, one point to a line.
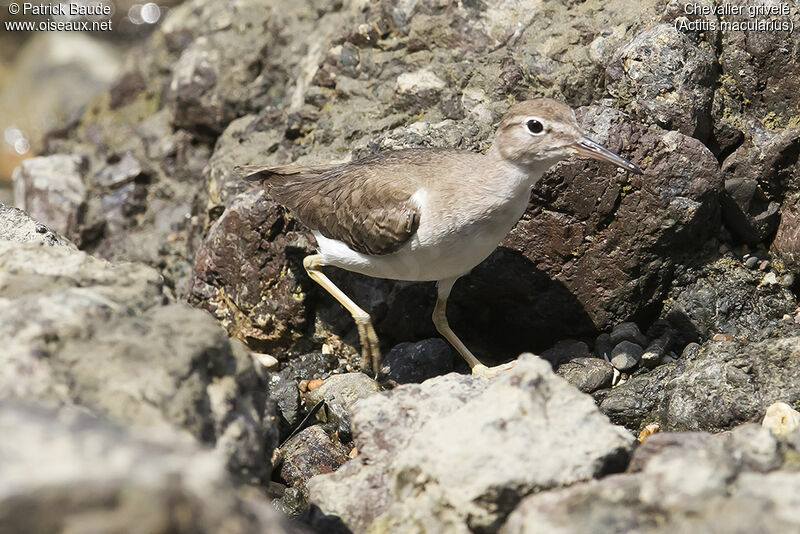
427	214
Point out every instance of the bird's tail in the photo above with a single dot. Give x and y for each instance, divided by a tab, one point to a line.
260	173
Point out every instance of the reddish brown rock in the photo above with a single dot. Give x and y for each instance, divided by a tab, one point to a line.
247	273
597	246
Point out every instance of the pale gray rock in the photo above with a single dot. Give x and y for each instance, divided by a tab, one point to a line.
51	190
692	483
67	471
19	227
456	453
78	330
340	393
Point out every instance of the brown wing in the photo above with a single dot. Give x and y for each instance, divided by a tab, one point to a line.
365	204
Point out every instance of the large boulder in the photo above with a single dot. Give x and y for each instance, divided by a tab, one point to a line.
65	470
664	77
457	453
597	246
78	330
739	481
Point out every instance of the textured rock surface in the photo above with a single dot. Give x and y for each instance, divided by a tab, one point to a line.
51	190
726	297
458	452
681	483
68	471
756	80
309	453
599	247
722	384
247	273
340	393
284	385
80	330
662	77
758	174
416	362
587	374
711	116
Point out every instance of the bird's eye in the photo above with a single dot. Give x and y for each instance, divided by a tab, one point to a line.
535	127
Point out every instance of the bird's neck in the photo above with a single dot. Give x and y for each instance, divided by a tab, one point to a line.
509	175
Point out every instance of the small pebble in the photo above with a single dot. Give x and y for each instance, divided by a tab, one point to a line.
314	384
615	380
627	331
655	351
626	355
690	350
722	337
751	262
787	280
40	228
769	279
587	374
781	419
264	360
763	266
648	431
603	346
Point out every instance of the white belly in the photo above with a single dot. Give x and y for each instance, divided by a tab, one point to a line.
442	247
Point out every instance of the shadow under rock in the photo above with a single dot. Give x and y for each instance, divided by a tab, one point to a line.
505	306
323	523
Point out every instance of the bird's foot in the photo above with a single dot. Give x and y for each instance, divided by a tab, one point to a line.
491	372
370	351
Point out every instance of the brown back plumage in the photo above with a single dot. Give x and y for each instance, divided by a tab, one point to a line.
365	204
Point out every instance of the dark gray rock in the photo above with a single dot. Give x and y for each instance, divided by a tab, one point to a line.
695	482
626	355
587	374
627	331
661	76
340	393
564	351
456	453
311	452
656	350
67	470
725	297
283	385
416	362
757	176
714	388
602	346
757	88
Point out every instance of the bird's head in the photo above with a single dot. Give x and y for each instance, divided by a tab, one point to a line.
538	133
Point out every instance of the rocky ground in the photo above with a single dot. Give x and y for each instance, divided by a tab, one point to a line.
167	363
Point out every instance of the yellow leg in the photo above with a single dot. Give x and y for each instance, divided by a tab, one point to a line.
440	321
366	333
